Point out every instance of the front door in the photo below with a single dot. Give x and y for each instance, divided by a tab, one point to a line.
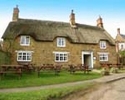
87	58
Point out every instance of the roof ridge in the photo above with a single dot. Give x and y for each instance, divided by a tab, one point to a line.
79	24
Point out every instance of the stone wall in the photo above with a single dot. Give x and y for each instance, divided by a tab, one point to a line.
43	52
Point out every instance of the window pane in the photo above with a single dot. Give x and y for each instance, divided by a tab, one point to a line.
28	57
57	57
27	40
24	57
60	42
22	40
19	57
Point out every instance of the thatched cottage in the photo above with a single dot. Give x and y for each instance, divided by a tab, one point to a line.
120	46
120	41
51	42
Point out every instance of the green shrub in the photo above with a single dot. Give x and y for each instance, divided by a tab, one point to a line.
4	58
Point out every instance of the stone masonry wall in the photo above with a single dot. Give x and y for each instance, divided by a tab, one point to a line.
43	52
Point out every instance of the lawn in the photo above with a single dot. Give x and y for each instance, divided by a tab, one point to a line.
46	94
46	78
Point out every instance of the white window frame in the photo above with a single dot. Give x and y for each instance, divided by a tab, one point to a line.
102	44
25	40
121	46
103	56
24	56
61	56
61	42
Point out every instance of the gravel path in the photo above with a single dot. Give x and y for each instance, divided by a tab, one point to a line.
110	91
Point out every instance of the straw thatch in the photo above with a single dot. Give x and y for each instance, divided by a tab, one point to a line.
49	30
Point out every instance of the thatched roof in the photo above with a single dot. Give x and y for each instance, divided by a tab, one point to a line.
120	37
123	36
49	30
1	43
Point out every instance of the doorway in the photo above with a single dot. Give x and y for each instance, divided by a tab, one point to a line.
87	58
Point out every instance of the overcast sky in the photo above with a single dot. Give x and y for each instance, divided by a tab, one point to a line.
86	11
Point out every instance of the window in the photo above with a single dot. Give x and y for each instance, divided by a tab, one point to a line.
25	40
24	55
102	44
61	56
121	46
103	56
61	42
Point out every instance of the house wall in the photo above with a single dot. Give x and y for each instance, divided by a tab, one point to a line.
43	52
120	42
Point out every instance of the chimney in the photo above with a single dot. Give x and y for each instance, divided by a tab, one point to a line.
15	13
72	19
99	22
118	30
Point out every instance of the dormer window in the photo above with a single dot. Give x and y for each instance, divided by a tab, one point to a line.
61	42
25	40
102	44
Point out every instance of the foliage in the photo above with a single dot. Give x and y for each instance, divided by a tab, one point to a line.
122	53
9	47
4	57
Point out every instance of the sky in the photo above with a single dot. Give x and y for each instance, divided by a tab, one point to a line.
86	12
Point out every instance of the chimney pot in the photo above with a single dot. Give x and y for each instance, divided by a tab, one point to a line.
72	19
15	13
100	22
118	30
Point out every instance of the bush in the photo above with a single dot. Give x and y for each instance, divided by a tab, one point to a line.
4	58
105	71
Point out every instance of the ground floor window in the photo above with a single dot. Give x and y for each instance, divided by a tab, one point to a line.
103	56
61	56
24	55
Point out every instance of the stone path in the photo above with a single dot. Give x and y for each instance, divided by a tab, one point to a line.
111	91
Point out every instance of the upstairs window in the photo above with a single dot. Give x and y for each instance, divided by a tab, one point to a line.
61	42
25	40
121	46
102	44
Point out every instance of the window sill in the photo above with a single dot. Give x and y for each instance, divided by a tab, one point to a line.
24	44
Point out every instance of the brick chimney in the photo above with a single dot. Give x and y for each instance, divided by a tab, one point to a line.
118	30
15	13
72	19
99	22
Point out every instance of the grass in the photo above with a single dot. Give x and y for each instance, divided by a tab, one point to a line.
46	78
122	70
47	94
